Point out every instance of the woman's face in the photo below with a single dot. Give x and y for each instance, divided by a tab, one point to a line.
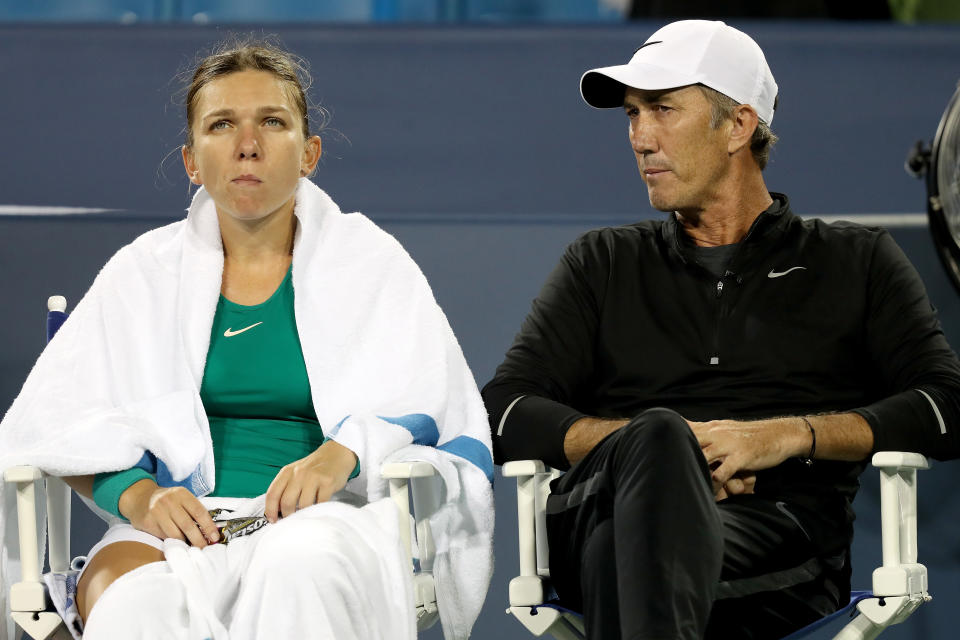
248	145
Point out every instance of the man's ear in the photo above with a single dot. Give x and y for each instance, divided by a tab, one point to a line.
745	121
190	165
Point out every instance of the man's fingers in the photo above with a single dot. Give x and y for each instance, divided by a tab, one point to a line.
734	486
713	453
722	474
700	432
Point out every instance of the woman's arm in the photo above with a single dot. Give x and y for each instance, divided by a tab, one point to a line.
310	480
168	512
81	484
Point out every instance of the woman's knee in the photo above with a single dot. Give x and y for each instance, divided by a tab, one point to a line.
111	562
318	553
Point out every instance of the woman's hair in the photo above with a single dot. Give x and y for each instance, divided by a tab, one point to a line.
251	54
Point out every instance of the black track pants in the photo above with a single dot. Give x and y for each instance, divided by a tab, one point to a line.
638	544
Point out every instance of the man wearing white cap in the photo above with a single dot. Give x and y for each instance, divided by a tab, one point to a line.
715	381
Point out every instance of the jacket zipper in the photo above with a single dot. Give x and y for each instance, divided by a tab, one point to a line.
715	357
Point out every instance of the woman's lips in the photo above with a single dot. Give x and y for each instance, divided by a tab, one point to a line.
247	180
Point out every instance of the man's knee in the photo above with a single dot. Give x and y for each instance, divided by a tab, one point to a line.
659	429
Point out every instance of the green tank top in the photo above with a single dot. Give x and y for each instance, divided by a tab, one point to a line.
256	393
257	398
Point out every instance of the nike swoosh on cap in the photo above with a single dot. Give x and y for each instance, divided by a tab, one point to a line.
647	44
777	274
229	333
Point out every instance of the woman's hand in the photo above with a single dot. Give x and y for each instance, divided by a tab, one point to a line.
168	512
310	480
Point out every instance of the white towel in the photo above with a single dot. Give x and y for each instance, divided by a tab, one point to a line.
121	379
328	571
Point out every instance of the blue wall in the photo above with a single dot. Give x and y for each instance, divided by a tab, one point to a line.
288	11
472	146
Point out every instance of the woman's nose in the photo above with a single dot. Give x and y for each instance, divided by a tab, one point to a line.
249	146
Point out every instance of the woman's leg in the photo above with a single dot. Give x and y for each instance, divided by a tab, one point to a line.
312	575
108	564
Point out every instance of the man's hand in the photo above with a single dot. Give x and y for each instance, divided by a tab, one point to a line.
168	512
310	480
732	447
741	483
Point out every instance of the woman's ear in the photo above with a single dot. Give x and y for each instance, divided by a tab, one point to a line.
312	149
190	165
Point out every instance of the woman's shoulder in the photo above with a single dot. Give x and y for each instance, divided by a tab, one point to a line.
160	247
373	240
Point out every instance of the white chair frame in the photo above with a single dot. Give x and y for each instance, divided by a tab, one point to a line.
899	584
28	598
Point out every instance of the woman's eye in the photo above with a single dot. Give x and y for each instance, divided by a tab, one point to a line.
219	124
273	122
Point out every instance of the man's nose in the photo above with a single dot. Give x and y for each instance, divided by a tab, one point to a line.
641	136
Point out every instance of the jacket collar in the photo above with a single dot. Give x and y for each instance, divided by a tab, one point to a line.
766	228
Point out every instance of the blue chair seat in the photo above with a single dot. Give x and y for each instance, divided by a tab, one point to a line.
855	597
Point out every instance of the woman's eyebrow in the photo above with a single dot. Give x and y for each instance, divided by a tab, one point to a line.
229	112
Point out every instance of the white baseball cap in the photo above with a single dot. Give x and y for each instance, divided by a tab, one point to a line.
689	52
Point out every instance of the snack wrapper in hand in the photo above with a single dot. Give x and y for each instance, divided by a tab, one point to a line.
233	528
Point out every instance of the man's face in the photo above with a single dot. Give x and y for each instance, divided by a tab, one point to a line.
681	158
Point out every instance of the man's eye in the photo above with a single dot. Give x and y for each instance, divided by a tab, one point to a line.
219	124
632	112
661	108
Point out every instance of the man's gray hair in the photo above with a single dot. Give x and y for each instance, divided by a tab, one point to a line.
722	109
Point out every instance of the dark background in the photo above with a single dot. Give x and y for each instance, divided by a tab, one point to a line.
472	146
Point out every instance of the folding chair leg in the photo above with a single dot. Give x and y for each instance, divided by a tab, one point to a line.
860	628
41	625
876	614
547	620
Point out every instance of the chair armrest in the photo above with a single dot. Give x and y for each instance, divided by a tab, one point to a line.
403	478
400	475
58	524
900	574
533	487
520	468
28	594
